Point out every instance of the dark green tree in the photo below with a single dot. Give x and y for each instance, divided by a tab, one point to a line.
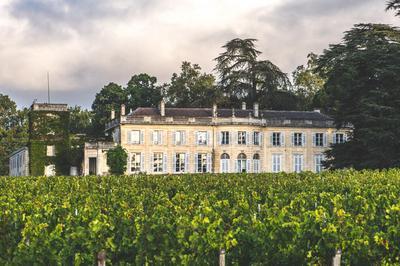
110	97
394	5
117	160
80	120
308	85
142	91
363	89
13	130
192	88
242	77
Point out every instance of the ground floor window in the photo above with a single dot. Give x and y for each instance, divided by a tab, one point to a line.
225	163
241	163
135	162
180	163
298	163
256	163
201	163
276	163
318	159
158	162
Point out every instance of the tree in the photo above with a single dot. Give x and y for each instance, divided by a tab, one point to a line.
13	130
80	120
117	160
308	85
242	77
363	89
192	88
110	97
142	91
394	5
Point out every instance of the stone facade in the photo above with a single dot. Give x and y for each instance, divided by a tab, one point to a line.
192	140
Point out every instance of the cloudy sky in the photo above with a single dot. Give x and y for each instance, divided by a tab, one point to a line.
85	44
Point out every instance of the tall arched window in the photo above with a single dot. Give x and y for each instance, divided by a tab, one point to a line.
256	163
225	163
241	163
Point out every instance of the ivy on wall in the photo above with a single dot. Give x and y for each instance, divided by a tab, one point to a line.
49	128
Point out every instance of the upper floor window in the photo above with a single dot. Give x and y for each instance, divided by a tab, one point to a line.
242	137
51	150
135	137
339	138
202	138
298	139
224	137
319	139
157	137
257	138
179	137
277	139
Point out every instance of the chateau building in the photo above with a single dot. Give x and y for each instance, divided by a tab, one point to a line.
199	140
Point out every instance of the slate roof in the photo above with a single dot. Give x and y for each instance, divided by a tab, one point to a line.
225	113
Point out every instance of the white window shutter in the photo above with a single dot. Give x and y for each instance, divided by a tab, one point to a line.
152	137
220	138
248	138
237	166
208	140
183	137
173	163
186	162
129	137
304	137
209	163
197	138
345	137
324	139
334	138
232	135
165	163
161	137
142	168
228	166
196	162
248	166
293	139
271	138
282	136
174	137
314	139
129	162
141	137
261	136
151	163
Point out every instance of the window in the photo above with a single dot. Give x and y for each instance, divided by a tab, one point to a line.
180	163
134	137
241	164
179	137
242	137
276	163
135	162
318	159
225	163
51	150
338	138
277	139
157	137
256	138
158	162
202	138
298	163
319	139
298	139
256	163
224	138
202	163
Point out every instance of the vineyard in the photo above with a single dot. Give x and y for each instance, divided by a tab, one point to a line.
264	219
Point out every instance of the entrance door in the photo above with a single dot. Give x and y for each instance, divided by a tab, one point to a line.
93	166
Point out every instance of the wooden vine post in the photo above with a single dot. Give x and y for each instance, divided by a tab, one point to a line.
222	257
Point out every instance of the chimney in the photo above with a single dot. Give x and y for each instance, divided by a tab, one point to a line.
317	110
112	114
243	105
256	111
162	108
214	110
122	109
